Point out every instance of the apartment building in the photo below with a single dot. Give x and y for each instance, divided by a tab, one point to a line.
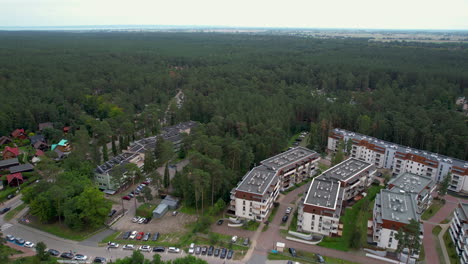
400	158
320	210
459	231
354	175
254	195
420	186
392	211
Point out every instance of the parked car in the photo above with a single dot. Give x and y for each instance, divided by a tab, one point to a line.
80	257
99	260
112	213
141	220
197	250
230	253
246	241
320	259
19	241
140	236
216	252
126	235
146	237
155	236
29	244
290	262
53	252
147	220
137	191
126	197
133	235
128	247
223	253
175	213
173	250
159	249
285	218
191	248
293	252
234	239
131	195
10	238
4	210
220	222
204	250
67	255
10	196
112	245
145	248
210	251
288	210
136	219
145	183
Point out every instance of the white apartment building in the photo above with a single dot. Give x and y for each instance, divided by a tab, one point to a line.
400	159
254	195
320	211
354	175
459	231
392	210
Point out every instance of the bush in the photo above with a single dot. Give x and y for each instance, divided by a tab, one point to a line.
202	225
145	210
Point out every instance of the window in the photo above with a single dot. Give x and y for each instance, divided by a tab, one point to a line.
243	208
243	202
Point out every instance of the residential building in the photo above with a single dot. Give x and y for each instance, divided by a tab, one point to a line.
15	179
320	210
38	142
354	175
43	126
254	195
420	186
4	140
63	145
5	164
19	134
175	133
392	210
459	231
400	158
10	153
21	168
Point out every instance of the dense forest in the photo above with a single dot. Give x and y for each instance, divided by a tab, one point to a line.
249	92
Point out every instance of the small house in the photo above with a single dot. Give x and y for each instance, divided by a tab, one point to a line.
15	179
39	142
160	211
171	202
64	146
43	126
4	140
19	134
21	168
66	129
10	153
5	164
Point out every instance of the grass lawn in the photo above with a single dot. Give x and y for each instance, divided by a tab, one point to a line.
305	257
293	225
13	212
354	220
432	210
145	210
454	259
251	225
63	231
436	230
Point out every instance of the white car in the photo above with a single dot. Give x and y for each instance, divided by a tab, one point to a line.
29	244
133	235
128	247
142	220
80	257
136	219
113	245
173	250
288	210
234	239
145	248
191	249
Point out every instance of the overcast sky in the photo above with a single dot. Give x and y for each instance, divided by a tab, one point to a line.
379	14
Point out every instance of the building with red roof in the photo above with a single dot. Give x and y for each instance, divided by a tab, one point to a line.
15	179
19	133
10	153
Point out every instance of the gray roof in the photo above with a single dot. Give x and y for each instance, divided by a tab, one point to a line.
345	170
404	149
37	138
257	180
397	206
412	183
170	203
21	168
8	163
174	133
162	208
323	193
288	157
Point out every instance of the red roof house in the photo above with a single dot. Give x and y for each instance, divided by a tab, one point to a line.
39	153
66	129
19	133
10	153
15	179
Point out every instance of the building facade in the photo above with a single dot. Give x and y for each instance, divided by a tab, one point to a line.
255	194
459	231
321	208
401	159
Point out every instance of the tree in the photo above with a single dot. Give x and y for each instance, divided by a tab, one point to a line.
114	147
92	208
41	252
337	157
105	152
121	143
163	151
444	184
167	179
409	240
150	164
349	146
147	193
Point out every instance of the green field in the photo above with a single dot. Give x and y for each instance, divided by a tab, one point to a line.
432	210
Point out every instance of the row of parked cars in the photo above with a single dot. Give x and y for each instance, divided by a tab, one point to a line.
137	190
211	251
72	256
140	235
20	241
141	220
145	248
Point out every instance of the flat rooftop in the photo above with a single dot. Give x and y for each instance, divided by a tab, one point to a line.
257	180
410	182
288	157
323	192
345	170
397	206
